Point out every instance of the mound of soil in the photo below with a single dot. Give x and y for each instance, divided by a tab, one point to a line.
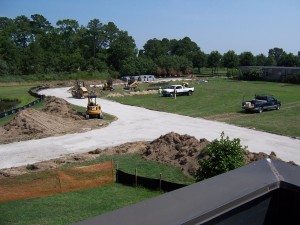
133	147
132	93
60	107
178	150
56	118
185	151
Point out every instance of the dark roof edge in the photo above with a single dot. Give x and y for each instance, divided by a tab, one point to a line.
206	200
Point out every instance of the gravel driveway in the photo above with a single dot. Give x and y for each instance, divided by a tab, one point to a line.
139	124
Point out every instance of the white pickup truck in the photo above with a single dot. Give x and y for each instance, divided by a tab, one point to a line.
178	89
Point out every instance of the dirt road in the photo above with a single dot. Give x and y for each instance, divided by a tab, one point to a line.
139	124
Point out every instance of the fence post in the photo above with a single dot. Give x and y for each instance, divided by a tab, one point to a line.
160	176
135	177
59	183
112	171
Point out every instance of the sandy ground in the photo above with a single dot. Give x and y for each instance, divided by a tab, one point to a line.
55	118
139	124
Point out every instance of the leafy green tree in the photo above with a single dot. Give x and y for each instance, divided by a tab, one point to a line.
199	60
96	36
261	60
184	47
3	68
222	156
270	61
128	67
22	34
121	48
230	59
155	48
288	60
214	60
111	32
67	29
145	65
8	49
276	53
247	59
173	63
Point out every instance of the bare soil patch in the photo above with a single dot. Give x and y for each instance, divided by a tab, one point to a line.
57	117
132	93
182	151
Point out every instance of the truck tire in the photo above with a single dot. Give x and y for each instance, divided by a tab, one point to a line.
260	109
171	95
190	93
277	107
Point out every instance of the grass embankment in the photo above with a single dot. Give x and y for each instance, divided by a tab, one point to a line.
21	94
17	92
75	206
220	99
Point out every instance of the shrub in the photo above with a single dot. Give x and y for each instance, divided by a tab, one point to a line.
251	75
233	73
223	155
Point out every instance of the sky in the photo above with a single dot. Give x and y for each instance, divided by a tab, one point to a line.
214	25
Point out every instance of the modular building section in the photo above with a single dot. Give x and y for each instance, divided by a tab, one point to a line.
141	78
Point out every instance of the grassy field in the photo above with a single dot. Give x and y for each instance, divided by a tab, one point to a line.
17	92
129	162
75	206
220	99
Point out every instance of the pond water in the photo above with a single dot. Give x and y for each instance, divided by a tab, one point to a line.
7	104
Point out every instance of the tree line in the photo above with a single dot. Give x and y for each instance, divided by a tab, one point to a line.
33	46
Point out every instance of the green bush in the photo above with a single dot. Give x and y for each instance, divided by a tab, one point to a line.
251	75
222	156
294	79
233	73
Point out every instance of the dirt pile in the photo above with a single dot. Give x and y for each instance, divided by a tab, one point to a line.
132	147
253	156
178	150
132	93
55	118
60	107
185	151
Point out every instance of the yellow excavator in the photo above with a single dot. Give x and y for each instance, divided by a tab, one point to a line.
132	85
93	109
185	84
79	90
108	85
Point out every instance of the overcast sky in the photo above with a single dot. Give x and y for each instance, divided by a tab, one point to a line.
222	25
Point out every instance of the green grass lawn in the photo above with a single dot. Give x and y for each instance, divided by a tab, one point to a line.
71	207
129	162
75	206
220	99
17	92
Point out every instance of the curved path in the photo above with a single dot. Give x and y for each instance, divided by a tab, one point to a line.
139	124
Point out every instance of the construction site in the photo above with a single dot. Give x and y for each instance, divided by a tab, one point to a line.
84	136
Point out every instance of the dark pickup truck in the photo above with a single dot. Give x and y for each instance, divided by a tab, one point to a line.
261	103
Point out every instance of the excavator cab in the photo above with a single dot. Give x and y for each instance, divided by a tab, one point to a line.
108	85
93	109
79	90
132	85
185	84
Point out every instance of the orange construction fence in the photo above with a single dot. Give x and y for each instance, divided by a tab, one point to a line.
57	181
